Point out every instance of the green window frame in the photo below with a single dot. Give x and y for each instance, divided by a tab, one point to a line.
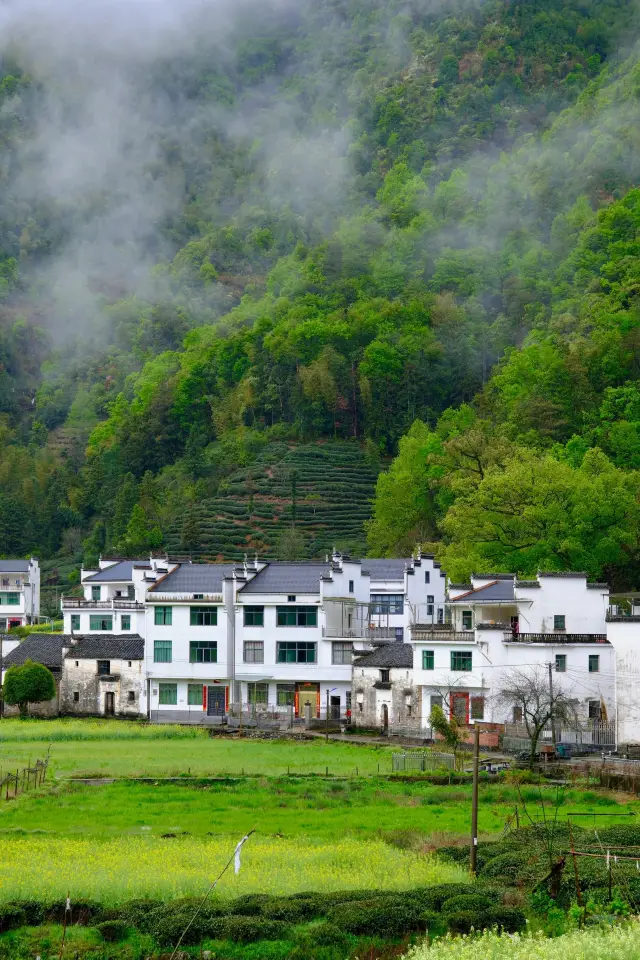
194	694
461	661
559	621
10	599
75	622
254	616
286	694
163	616
258	693
296	651
99	622
204	616
96	593
594	663
561	663
162	651
168	694
125	621
203	651
428	660
297	616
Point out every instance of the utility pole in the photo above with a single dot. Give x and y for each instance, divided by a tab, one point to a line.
551	710
474	799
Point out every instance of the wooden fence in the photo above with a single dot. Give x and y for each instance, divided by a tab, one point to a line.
11	784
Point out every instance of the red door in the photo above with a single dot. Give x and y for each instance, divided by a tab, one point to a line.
460	707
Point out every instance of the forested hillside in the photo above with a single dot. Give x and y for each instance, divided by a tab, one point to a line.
252	255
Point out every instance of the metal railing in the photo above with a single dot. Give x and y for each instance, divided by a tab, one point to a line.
420	762
439	632
116	603
554	638
591	733
154	597
21	780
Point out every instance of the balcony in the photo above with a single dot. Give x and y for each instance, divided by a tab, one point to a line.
175	598
109	677
439	633
373	634
554	638
116	603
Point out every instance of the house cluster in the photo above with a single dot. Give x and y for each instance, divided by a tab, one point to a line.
377	642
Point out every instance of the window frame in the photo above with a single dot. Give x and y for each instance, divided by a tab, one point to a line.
284	614
253	610
162	616
96	593
476	708
594	663
385	675
106	621
205	646
467	619
559	622
75	622
386	604
103	668
345	648
296	646
203	616
125	621
561	663
258	693
428	659
257	647
285	694
164	646
457	657
191	688
166	688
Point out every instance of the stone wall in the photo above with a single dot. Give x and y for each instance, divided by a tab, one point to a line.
369	695
80	677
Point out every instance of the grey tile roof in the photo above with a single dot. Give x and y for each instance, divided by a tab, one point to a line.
562	573
14	566
385	569
195	578
494	576
43	648
501	590
389	655
282	577
597	586
528	584
105	646
118	571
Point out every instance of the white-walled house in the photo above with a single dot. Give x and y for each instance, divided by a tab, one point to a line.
19	593
499	624
102	675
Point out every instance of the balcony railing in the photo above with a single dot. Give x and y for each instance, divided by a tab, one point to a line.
554	638
440	632
116	603
184	598
359	632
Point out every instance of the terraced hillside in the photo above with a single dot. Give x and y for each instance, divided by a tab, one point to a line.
326	488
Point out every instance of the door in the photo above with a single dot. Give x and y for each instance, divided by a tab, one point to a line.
109	703
215	701
334	708
308	696
385	717
460	707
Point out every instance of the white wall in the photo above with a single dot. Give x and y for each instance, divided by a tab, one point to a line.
624	636
584	608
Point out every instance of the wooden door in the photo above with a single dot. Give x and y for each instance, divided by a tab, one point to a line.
109	703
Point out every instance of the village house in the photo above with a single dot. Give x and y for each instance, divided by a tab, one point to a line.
19	593
102	675
383	690
44	648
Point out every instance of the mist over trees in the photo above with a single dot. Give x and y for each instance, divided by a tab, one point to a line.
411	227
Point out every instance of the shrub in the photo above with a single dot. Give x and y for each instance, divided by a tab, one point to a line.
250	904
432	898
135	912
291	911
12	916
509	919
624	835
506	866
465	921
378	917
34	911
467	902
323	934
83	912
112	930
247	929
168	922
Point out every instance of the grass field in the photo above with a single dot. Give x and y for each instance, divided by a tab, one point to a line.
620	943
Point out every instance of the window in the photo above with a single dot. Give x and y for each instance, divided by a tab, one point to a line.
467	619
436	700
399	634
125	621
351	586
254	616
347	701
427	576
517	714
203	651
286	694
258	693
194	694
10	599
291	598
76	696
341	652
429	605
477	708
440	615
77	663
131	696
162	616
95	593
594	663
297	617
461	660
254	651
204	616
559	621
295	651
131	592
168	694
385	675
3	623
75	622
561	663
387	602
97	622
129	663
595	710
104	668
428	659
162	651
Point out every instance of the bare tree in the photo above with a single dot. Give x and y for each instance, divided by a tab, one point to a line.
529	691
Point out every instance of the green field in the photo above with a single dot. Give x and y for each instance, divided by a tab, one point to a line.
621	943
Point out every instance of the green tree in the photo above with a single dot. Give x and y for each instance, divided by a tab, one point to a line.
448	730
29	683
